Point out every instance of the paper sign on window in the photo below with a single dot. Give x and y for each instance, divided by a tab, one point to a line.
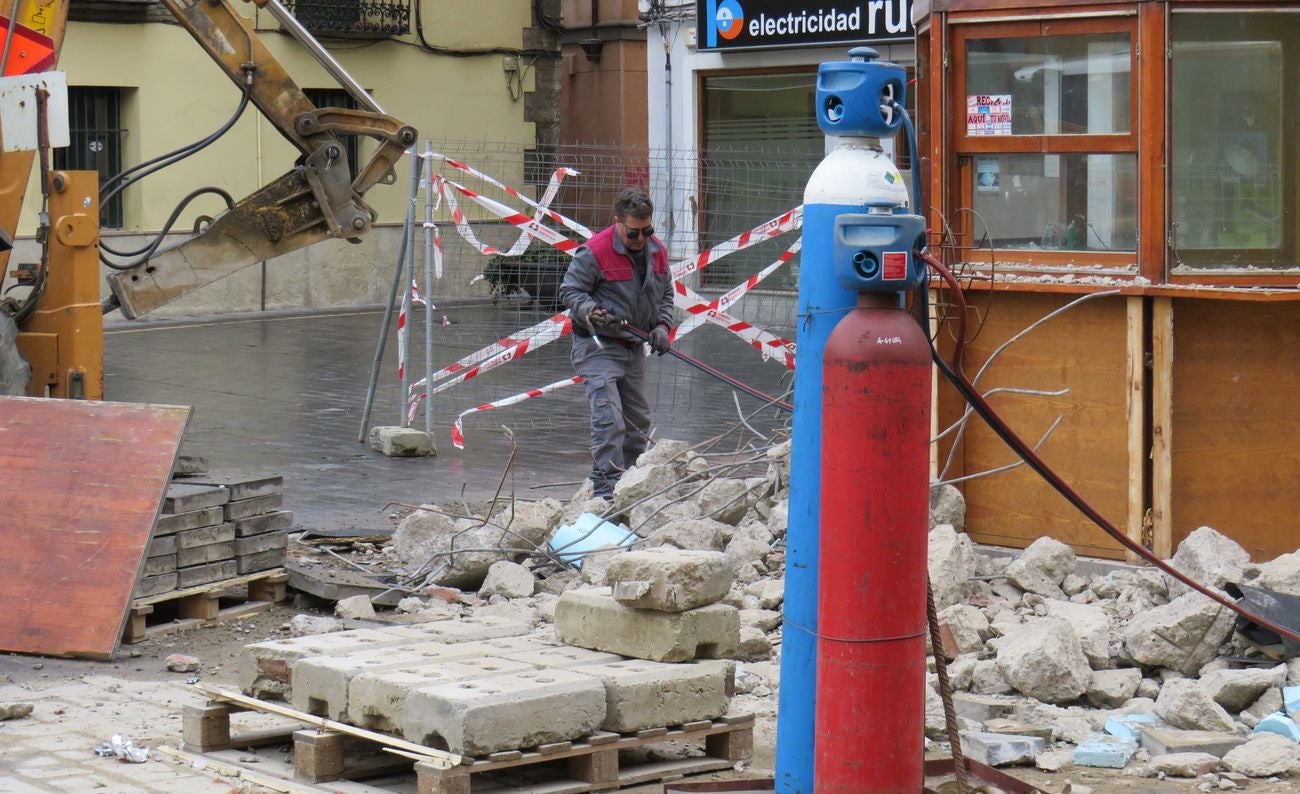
988	115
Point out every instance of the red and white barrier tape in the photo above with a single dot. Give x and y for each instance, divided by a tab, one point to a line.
458	435
476	357
774	228
530	226
543	207
517	350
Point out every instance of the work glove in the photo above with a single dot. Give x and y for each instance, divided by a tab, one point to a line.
600	317
659	340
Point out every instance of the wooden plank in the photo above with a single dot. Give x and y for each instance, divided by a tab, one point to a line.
1136	409
435	757
86	479
1082	350
1235	444
1162	398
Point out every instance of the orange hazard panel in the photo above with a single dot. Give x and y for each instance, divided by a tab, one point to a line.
81	484
30	52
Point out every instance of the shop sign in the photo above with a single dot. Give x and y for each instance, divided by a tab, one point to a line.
751	24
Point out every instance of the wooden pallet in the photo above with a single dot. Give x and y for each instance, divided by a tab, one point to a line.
202	605
326	750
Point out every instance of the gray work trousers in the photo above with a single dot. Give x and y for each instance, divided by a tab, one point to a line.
620	414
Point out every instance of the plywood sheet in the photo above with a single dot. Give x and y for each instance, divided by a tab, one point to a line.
1236	431
81	484
1082	350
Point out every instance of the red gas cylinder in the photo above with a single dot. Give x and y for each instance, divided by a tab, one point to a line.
874	519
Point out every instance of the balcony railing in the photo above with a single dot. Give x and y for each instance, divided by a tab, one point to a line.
365	18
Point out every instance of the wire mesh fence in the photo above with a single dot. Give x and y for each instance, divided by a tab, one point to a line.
700	201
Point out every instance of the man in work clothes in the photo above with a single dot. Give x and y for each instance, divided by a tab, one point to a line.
620	275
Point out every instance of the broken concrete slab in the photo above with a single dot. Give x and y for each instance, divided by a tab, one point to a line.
401	442
1237	689
509	580
376	699
357	607
967	625
1182	635
1050	556
1185	764
1265	755
1019	728
1183	703
508	712
982	708
321	683
951	563
593	619
1091	625
1281	575
641	482
1000	749
1162	740
1044	660
1109	689
433	542
725	500
702	534
641	694
1209	558
1032	580
947	506
669	580
754	645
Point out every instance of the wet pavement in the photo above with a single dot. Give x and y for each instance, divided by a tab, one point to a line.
284	393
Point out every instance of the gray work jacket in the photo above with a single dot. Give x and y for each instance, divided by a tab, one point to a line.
602	275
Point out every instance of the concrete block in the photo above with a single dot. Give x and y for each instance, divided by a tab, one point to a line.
154	585
167	524
205	574
1129	726
1280	724
982	708
508	712
261	561
320	683
159	546
669	580
259	543
1185	764
1001	749
258	505
211	552
1164	740
163	563
376	700
218	533
593	619
1018	728
565	656
241	486
641	694
266	668
1102	750
401	442
267	522
183	498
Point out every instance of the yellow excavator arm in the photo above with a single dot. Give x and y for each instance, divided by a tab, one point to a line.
316	200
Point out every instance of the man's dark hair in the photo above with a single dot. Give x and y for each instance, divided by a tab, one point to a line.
633	203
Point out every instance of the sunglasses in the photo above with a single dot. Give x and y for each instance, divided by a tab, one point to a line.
632	233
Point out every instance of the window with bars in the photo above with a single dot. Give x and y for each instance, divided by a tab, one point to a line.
338	98
95	126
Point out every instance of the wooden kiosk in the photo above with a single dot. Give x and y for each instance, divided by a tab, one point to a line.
1145	153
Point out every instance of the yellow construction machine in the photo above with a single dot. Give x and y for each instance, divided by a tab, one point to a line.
51	313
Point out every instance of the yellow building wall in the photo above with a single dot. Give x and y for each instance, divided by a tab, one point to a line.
175	94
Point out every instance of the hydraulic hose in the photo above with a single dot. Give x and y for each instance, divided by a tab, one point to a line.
706	369
954	373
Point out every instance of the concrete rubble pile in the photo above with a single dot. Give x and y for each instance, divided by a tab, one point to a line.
1054	661
1059	662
